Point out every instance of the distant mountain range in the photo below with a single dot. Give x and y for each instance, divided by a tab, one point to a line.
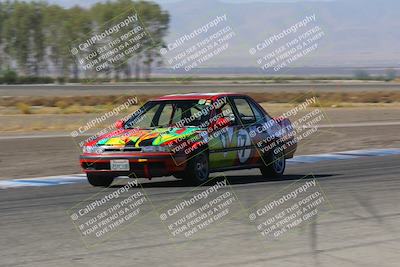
357	32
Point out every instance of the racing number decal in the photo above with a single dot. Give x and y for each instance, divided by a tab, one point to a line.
226	139
243	140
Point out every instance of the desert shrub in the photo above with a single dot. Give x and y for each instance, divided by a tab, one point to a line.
24	108
62	104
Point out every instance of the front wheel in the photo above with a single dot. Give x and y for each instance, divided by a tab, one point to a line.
99	179
197	170
274	165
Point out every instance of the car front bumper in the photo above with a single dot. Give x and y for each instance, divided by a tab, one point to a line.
146	165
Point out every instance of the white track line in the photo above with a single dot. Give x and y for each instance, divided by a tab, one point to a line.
301	159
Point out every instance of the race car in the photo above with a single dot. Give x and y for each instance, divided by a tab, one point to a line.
190	136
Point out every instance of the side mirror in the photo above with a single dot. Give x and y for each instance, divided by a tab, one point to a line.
119	124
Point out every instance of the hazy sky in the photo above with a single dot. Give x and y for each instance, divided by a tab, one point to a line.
89	2
351	36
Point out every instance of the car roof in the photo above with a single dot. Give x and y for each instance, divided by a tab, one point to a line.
197	96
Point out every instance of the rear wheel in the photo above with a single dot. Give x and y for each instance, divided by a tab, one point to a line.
102	180
197	170
274	165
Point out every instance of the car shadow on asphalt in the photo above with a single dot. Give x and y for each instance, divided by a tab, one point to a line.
232	180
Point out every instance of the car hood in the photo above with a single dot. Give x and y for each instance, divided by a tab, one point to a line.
144	137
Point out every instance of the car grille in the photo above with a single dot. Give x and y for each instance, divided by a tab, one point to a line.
122	149
154	168
96	165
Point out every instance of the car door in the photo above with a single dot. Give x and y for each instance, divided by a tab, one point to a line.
223	140
249	117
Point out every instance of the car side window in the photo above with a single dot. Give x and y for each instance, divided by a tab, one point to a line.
227	112
246	113
257	112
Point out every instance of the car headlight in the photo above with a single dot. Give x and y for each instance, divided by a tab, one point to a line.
93	149
156	149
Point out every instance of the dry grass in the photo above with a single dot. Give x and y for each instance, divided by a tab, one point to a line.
95	104
23	108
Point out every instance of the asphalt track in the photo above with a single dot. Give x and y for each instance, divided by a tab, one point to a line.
361	228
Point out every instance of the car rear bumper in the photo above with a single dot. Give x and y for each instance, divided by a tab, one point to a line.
290	149
146	165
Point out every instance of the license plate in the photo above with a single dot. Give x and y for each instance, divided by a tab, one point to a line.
119	165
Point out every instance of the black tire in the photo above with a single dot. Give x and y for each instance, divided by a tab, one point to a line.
99	179
197	171
274	165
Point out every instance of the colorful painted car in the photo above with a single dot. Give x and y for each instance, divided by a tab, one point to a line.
189	136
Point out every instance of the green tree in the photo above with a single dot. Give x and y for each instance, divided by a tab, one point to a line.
390	74
36	37
361	75
156	22
77	26
54	37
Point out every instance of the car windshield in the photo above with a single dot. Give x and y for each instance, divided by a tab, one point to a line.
176	113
